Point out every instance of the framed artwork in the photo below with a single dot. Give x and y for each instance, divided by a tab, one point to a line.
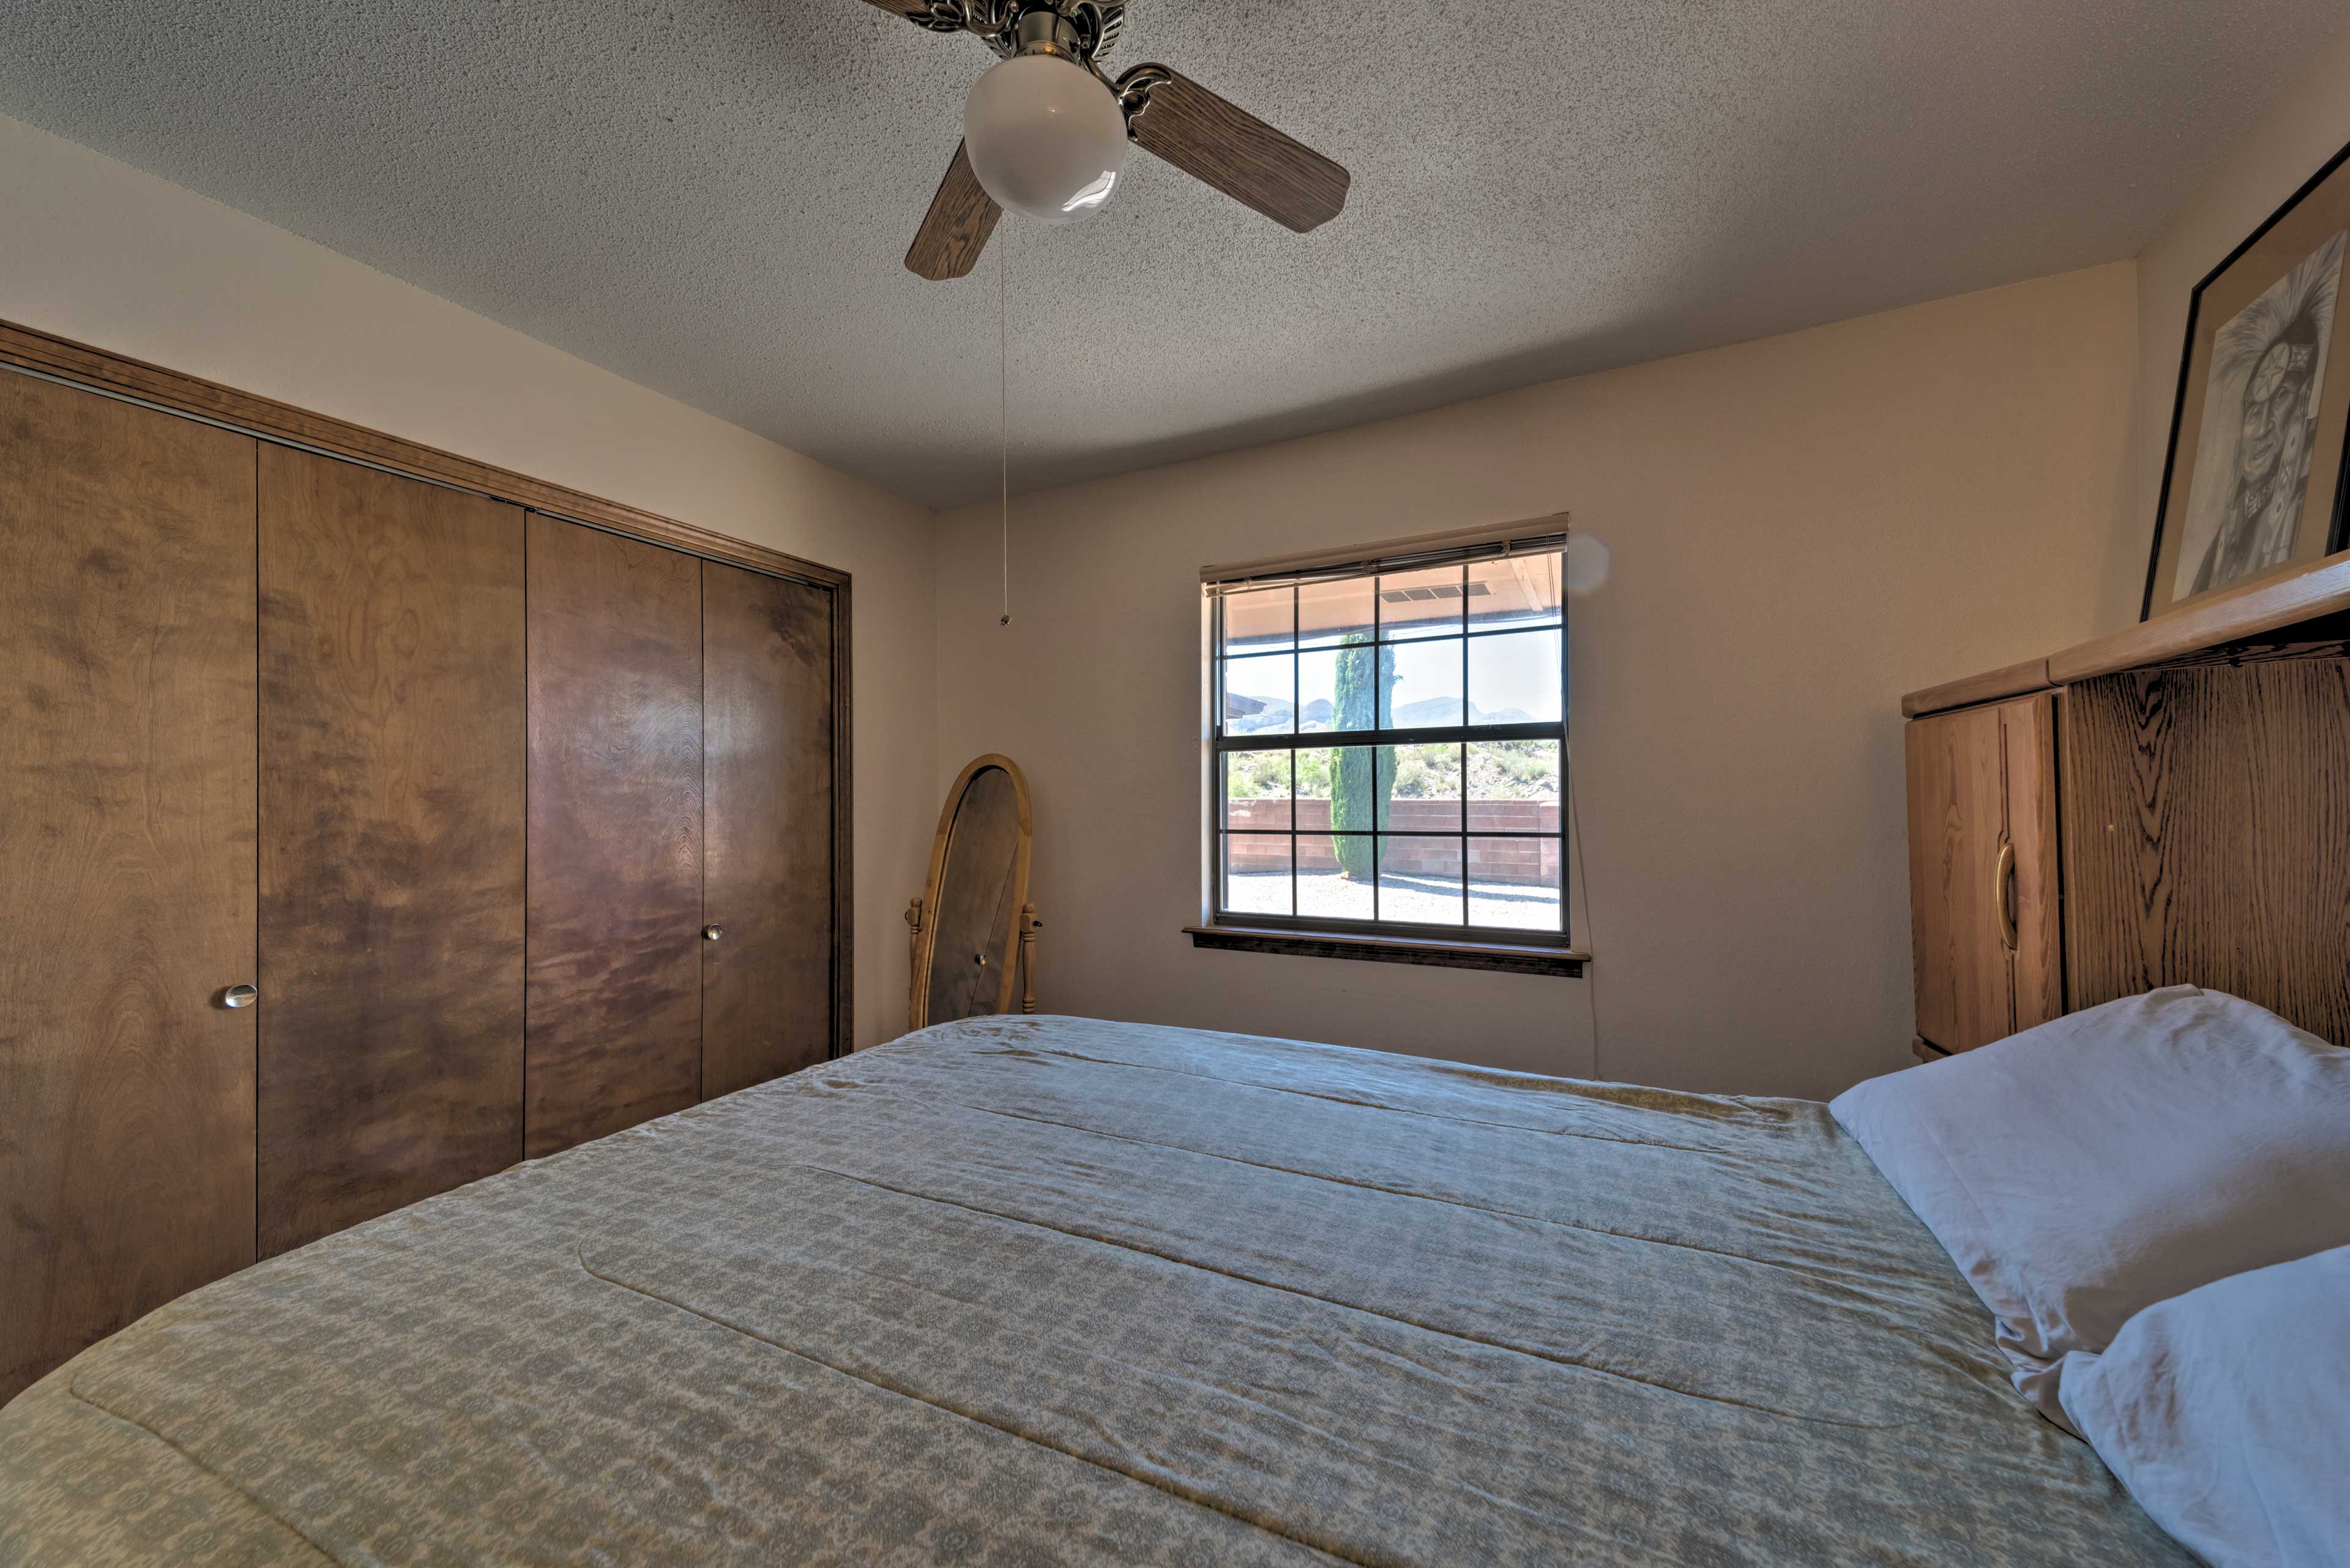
2255	477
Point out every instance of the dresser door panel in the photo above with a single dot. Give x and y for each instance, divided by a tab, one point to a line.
391	842
127	860
1958	791
767	728
2028	731
615	833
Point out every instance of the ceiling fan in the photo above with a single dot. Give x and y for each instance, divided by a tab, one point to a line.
1045	131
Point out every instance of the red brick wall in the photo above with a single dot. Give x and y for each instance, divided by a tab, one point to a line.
1532	861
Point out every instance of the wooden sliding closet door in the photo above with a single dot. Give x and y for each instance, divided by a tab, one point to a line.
767	728
126	861
615	834
391	842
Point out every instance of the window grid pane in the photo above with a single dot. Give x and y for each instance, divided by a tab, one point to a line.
1257	789
1419	879
1513	882
1419	683
1514	677
1430	849
1335	612
1258	878
1260	694
1263	620
1424	603
1325	891
1513	591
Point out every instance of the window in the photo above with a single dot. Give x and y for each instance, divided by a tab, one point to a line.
1389	746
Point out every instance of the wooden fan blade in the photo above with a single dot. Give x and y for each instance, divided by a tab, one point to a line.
1238	154
911	10
962	214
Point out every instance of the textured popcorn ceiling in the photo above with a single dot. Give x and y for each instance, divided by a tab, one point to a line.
711	197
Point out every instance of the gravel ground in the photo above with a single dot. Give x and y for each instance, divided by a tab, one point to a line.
1435	900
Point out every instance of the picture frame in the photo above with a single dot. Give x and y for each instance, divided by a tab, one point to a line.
2257	472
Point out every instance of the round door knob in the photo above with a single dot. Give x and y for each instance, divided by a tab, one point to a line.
239	996
978	959
712	934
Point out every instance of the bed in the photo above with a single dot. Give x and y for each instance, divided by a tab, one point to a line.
1031	1290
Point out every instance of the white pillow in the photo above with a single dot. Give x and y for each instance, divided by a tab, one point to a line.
2227	1414
2081	1171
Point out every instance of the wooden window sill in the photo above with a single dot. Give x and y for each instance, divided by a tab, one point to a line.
1511	958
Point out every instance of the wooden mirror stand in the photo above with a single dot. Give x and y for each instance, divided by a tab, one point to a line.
974	921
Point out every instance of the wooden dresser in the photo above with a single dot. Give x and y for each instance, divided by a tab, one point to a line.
367	827
2170	804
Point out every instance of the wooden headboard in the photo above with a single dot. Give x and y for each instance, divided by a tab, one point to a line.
2206	835
2201	802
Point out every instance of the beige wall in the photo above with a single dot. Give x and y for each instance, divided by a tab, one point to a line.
1803	528
2307	123
93	250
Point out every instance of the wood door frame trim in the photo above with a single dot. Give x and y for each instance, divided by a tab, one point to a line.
844	881
171	391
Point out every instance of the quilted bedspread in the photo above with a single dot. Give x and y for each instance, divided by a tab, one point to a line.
1038	1290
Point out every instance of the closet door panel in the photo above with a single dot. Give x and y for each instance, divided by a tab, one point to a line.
391	842
767	729
615	834
126	865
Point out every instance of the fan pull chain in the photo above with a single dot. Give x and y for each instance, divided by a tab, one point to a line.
1004	398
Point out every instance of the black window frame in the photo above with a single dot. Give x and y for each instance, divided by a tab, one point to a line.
1221	744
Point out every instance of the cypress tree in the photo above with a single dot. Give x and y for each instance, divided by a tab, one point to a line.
1358	801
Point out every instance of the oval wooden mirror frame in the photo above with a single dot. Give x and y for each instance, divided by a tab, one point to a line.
976	898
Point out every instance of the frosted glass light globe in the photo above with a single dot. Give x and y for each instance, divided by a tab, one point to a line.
1047	139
